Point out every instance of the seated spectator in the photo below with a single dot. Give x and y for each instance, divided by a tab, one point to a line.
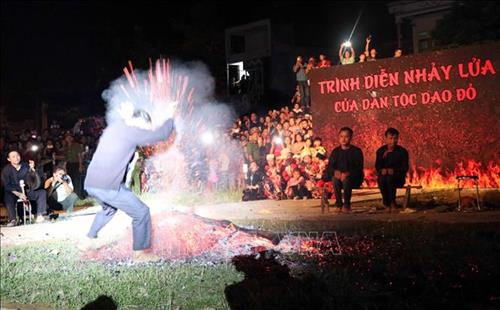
272	184
60	190
297	146
398	52
319	149
348	56
12	174
254	184
308	149
296	186
286	151
324	62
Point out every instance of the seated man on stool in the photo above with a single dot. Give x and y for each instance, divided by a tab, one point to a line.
60	187
345	164
392	166
12	174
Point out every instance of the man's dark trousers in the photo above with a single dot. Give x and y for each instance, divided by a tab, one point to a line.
340	186
122	199
387	185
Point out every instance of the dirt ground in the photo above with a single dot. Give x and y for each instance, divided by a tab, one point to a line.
428	206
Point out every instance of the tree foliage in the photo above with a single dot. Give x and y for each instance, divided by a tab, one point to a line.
469	22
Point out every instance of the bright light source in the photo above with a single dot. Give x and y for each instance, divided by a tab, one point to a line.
34	147
207	138
278	140
347	43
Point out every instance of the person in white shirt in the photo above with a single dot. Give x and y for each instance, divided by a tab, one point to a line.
60	187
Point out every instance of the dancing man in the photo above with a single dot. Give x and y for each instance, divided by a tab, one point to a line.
105	174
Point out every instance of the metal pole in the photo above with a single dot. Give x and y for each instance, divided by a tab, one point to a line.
477	195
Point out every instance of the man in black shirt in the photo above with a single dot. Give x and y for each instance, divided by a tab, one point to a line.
12	174
345	165
392	166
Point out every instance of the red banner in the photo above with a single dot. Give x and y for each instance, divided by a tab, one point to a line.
445	105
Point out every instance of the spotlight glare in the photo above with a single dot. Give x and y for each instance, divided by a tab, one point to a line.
207	138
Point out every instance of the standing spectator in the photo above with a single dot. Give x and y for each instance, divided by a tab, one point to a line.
372	55
300	75
296	99
362	57
348	56
324	62
72	152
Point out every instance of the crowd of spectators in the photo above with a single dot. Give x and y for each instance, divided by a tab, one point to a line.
58	154
347	55
282	157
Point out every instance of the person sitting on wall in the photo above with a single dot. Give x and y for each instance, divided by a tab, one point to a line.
392	166
345	164
60	190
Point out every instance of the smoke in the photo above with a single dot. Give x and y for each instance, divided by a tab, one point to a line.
189	162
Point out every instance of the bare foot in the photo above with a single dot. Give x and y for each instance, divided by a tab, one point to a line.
86	243
143	257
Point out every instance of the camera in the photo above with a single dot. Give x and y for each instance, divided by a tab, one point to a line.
65	178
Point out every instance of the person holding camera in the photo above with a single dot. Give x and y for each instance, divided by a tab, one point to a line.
60	188
12	174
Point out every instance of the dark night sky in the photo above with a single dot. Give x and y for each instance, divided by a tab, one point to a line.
66	53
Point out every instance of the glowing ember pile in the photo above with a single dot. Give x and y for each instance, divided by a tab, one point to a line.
182	236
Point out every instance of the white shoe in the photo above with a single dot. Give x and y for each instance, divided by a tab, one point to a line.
40	219
12	223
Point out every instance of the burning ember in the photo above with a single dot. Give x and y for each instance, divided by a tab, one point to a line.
183	236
